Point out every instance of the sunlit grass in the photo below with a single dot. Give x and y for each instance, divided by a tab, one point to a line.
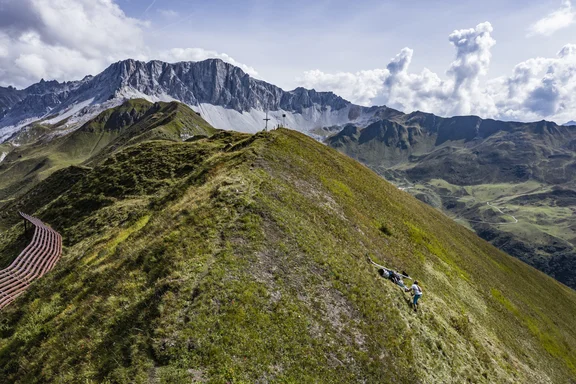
243	258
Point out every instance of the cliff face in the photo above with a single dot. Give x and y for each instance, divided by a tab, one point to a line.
9	96
212	82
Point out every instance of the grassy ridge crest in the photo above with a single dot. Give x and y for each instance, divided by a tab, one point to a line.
240	258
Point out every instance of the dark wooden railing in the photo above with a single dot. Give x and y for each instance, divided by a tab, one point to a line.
35	261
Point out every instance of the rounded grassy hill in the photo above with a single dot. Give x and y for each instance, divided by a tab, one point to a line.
242	259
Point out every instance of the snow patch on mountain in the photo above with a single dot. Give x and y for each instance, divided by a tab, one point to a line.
253	121
127	93
75	110
3	156
7	132
223	94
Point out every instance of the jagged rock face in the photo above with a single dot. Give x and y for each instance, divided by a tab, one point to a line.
194	83
35	101
213	82
8	98
218	83
228	98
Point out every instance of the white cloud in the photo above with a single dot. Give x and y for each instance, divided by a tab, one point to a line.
537	88
472	61
361	86
168	13
68	39
63	39
567	51
559	19
398	88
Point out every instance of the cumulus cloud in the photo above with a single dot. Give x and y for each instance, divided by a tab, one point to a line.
361	86
472	61
559	19
401	62
537	88
397	87
63	38
68	39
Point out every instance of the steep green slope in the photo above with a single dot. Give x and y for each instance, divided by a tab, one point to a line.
46	191
241	258
474	170
40	154
135	121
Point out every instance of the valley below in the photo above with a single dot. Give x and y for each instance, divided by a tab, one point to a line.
511	183
531	221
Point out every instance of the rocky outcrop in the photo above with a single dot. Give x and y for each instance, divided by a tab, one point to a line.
206	82
9	97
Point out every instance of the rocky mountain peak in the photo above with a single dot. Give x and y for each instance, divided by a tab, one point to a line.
204	85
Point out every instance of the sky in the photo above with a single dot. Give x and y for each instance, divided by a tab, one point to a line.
510	60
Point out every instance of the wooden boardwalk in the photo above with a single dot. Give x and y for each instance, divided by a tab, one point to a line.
35	261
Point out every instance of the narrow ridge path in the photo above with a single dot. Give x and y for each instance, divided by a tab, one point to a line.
37	259
502	212
471	198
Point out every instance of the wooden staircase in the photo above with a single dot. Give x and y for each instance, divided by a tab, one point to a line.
35	261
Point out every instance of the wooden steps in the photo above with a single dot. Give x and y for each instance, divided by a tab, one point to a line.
34	261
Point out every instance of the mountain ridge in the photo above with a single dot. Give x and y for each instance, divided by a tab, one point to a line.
200	85
242	258
222	93
463	165
38	153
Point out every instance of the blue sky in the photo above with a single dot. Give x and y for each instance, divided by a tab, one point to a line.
281	39
512	60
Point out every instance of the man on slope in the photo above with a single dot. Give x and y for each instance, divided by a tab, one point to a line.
416	292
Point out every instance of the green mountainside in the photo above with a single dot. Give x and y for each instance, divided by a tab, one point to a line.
242	258
512	183
40	152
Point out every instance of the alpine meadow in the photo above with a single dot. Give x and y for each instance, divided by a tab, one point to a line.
272	192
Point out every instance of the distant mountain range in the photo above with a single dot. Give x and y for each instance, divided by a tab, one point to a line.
513	183
514	152
459	164
225	96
